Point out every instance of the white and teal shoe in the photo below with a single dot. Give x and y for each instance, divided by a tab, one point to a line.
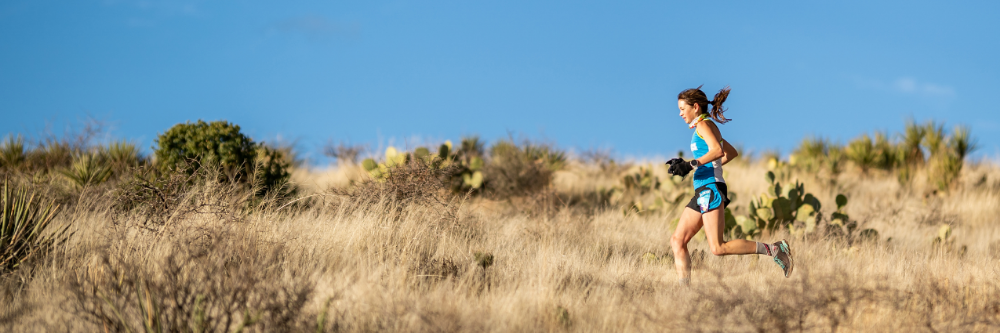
784	257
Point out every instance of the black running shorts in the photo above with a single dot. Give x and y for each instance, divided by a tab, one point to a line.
709	197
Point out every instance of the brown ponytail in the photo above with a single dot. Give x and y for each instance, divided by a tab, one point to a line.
697	97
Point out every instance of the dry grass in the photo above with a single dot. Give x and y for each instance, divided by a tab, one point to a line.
343	264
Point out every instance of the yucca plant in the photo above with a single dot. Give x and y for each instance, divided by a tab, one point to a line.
87	170
884	152
834	159
961	142
122	155
947	163
23	223
11	152
910	152
52	154
861	151
933	137
810	154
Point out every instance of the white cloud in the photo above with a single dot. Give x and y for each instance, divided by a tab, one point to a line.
315	26
933	89
906	85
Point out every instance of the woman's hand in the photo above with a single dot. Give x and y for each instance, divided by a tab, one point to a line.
680	167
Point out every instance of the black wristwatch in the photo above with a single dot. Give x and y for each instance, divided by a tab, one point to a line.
695	163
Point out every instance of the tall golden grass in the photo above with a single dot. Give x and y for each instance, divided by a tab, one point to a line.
349	261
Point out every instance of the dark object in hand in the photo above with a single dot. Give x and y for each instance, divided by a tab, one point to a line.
679	167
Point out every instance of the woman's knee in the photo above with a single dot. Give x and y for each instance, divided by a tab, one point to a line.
677	241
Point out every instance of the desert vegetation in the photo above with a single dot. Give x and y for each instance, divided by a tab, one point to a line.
216	232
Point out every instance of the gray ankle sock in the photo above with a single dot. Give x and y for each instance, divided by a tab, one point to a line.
766	249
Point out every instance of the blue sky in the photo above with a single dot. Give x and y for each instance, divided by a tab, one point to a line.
580	73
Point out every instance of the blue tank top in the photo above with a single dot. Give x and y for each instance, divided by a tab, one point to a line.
709	172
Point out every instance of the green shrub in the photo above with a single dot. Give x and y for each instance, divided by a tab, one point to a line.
220	145
24	221
271	169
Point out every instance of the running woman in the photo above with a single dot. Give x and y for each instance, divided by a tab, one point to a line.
707	208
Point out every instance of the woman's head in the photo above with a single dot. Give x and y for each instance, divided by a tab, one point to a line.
693	102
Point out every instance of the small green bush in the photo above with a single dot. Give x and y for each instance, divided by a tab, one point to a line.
221	145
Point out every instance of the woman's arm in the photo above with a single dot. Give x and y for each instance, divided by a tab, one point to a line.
711	134
729	152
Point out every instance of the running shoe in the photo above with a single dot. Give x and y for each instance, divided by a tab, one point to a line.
784	257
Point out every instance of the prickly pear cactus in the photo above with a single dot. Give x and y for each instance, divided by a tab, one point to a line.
635	186
789	207
380	171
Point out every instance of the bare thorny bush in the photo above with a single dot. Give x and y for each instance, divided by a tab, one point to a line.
410	184
182	255
217	281
157	198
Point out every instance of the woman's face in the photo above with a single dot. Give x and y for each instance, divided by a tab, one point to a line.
688	111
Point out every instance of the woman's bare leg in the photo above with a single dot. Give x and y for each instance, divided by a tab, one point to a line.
715	223
688	226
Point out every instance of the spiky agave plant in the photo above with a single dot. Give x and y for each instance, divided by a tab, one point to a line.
24	221
87	170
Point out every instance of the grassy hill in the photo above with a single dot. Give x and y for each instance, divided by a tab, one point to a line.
147	251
